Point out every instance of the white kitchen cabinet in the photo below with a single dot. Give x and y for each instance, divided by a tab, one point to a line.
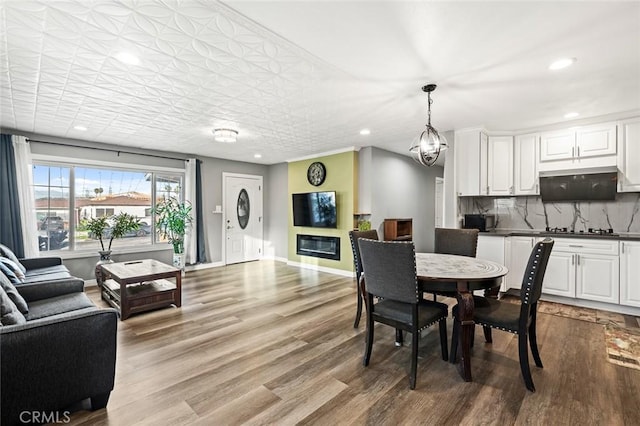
630	273
468	150
584	269
525	164
492	247
583	147
500	165
629	156
518	250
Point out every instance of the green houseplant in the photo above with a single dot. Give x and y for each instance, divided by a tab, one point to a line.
173	219
109	227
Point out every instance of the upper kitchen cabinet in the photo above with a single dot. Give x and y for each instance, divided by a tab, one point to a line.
629	156
525	165
582	147
499	165
469	146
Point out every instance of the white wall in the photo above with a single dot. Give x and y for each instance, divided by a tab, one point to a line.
276	212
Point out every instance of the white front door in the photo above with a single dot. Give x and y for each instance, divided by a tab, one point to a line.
242	217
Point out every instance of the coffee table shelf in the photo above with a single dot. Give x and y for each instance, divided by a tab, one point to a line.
139	286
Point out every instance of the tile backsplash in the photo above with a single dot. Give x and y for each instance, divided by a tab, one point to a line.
518	213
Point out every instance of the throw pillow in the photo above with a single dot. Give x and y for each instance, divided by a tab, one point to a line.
13	294
6	252
7	272
14	268
9	313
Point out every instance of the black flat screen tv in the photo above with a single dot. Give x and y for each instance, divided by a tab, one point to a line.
315	209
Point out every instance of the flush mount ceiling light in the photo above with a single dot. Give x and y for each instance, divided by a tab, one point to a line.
426	149
80	128
225	135
365	132
562	63
571	115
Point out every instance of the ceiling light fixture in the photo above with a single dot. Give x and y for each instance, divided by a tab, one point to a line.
426	149
127	58
571	115
257	155
562	63
365	132
80	128
225	135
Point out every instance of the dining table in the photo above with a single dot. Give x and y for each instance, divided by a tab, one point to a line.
460	274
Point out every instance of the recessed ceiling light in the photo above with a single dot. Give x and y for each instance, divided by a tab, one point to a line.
127	58
257	155
571	115
80	128
365	132
562	63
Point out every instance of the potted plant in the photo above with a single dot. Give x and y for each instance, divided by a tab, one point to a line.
172	220
109	227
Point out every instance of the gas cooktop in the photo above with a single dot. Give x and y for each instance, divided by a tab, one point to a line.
590	232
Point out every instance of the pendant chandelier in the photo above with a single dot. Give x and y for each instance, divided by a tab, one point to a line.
426	149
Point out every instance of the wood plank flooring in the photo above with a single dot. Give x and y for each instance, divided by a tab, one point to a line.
265	343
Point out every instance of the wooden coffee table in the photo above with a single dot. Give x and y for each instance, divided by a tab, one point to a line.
141	285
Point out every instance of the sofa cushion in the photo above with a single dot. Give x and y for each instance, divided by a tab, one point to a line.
13	266
9	313
46	277
6	252
47	270
5	271
13	294
57	305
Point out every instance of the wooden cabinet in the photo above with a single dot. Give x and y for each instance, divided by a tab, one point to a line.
398	229
584	147
583	269
629	273
525	164
468	150
629	156
500	165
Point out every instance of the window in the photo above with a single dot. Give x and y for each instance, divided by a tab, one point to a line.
66	195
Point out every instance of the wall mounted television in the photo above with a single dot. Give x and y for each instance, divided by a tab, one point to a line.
315	209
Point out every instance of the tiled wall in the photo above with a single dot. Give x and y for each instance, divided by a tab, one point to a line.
622	215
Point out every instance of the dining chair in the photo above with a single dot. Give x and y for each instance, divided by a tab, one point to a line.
462	242
357	264
518	319
390	273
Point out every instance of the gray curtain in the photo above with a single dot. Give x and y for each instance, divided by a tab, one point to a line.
10	228
201	255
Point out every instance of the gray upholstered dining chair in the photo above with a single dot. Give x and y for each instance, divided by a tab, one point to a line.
390	273
462	242
357	264
517	319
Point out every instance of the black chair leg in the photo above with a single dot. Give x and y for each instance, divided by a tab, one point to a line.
534	343
523	352
399	337
356	323
99	401
443	339
368	341
487	334
455	337
415	336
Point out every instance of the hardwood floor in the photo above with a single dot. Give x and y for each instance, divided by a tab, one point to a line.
265	343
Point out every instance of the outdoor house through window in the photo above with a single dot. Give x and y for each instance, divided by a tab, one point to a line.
67	195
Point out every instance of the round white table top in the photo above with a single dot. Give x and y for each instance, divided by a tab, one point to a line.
436	266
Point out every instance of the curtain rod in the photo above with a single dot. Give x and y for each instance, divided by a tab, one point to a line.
118	151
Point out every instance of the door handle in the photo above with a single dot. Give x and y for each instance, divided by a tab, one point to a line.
573	152
578	259
578	151
572	259
622	248
229	227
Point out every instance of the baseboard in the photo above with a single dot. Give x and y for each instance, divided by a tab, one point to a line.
334	271
199	266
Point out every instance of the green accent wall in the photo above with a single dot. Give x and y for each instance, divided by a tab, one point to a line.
342	175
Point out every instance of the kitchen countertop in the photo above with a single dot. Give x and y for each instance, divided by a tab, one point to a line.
622	236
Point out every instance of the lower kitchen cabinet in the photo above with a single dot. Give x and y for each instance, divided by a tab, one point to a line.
630	273
492	247
518	250
584	269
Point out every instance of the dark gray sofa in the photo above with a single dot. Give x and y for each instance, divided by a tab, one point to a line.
44	269
64	353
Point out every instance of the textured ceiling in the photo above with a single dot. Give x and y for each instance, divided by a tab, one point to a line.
300	78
